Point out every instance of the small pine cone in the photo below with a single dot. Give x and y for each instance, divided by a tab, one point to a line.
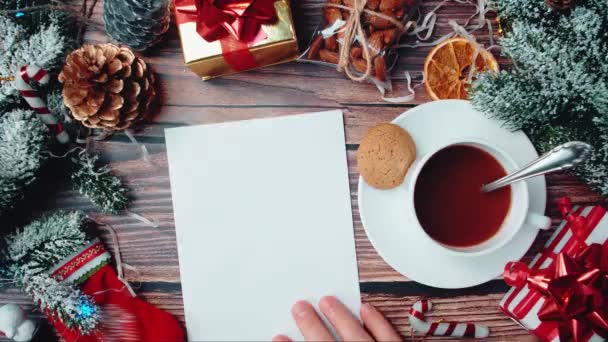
560	5
137	23
106	86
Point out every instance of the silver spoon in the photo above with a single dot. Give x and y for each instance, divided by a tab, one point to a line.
560	158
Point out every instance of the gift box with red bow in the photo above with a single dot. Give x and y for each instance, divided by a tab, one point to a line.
221	37
562	295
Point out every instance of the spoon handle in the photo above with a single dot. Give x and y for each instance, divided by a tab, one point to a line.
560	158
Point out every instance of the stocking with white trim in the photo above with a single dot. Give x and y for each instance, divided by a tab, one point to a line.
123	316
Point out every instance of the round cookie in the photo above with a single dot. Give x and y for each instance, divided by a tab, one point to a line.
384	156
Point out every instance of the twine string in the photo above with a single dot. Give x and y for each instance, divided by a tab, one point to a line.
393	21
100	135
145	155
142	219
81	152
410	96
61	156
117	259
353	30
428	24
353	26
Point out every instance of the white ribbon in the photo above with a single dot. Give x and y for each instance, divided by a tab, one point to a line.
406	98
148	222
428	24
117	257
332	29
144	151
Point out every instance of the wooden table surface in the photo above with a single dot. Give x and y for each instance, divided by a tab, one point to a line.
280	90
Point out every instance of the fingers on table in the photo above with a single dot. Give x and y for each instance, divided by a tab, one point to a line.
375	323
281	338
310	324
346	325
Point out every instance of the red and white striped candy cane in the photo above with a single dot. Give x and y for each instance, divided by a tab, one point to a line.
26	74
422	327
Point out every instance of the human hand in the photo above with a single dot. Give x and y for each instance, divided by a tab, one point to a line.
344	323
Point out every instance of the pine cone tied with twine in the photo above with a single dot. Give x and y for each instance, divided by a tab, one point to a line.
560	5
106	86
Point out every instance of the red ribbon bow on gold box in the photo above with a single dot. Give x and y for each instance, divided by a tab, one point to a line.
241	19
575	287
222	37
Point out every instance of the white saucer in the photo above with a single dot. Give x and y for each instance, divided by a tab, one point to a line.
391	228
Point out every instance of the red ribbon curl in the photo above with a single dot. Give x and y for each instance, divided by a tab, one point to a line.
575	287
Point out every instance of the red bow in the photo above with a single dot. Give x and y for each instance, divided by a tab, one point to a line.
216	19
575	287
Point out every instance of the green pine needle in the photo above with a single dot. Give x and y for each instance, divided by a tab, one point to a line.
45	48
31	252
23	136
65	301
557	89
105	190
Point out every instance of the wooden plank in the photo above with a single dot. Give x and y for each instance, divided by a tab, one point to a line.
279	90
358	119
153	250
280	85
482	309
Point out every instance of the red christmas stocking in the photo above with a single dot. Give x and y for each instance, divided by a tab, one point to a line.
123	316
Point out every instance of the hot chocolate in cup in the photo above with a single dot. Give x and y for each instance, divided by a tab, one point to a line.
443	188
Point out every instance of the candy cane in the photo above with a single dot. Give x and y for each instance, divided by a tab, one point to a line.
453	329
26	74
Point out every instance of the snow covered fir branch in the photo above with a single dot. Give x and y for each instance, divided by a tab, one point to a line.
42	36
30	253
557	87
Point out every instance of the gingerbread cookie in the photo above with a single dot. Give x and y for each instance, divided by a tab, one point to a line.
385	154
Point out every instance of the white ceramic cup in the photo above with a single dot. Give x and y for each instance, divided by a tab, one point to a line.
518	216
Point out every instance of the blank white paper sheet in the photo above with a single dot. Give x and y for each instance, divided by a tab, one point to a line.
263	219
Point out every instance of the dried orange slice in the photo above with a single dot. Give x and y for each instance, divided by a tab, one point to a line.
447	66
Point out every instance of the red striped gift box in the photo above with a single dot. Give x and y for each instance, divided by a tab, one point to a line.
523	304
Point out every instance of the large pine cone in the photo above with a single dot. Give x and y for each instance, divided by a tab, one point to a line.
106	86
137	23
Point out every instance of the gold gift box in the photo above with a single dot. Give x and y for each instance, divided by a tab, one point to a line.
206	60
